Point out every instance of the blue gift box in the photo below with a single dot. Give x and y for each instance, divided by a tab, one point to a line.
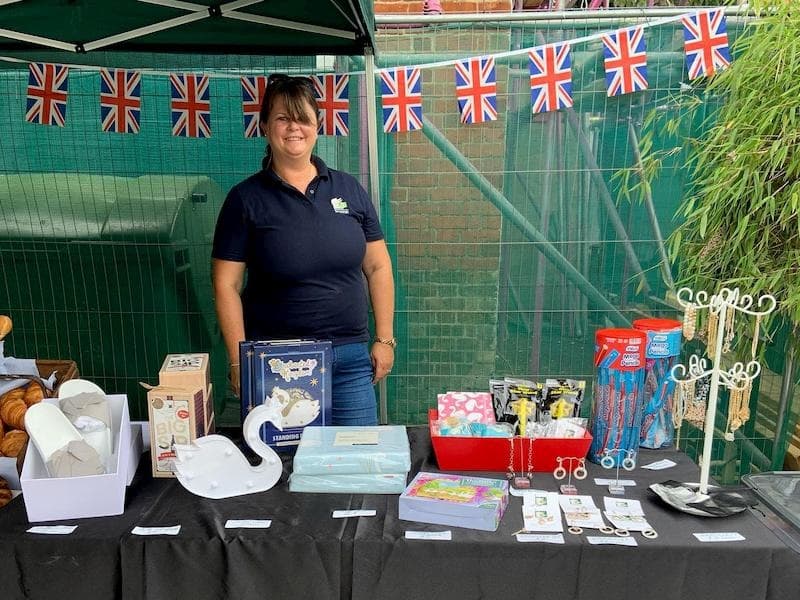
296	373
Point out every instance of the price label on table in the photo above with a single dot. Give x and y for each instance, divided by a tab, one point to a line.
248	523
174	530
429	535
728	536
541	538
53	529
343	514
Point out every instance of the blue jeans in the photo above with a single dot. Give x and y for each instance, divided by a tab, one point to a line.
353	394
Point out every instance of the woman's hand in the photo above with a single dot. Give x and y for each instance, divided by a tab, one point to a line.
382	360
235	379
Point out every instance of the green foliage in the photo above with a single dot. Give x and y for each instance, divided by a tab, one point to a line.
741	215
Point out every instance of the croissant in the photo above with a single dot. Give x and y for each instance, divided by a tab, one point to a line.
5	497
13	443
15	394
33	393
5	326
12	412
2	431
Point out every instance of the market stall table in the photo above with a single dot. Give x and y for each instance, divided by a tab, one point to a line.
307	554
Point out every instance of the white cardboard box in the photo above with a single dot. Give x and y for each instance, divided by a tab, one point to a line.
54	499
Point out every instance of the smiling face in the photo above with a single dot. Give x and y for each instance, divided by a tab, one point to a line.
291	136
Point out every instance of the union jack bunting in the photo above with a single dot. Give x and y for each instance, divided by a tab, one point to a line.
332	103
47	94
120	100
191	109
705	42
551	78
252	95
401	91
625	60
476	90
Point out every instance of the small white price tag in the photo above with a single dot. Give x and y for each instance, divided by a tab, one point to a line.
728	536
53	529
599	481
599	540
343	514
247	523
660	465
541	538
429	535
174	530
363	437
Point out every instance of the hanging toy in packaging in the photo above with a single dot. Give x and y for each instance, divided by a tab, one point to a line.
618	393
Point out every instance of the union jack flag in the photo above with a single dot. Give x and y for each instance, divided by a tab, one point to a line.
476	90
625	60
551	78
191	109
120	100
401	91
705	42
252	96
332	103
47	94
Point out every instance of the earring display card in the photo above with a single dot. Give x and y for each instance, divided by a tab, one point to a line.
295	373
581	511
540	512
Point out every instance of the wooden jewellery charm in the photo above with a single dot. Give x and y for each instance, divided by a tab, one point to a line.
738	378
576	468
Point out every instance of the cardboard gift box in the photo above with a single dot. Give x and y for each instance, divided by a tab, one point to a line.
176	416
353	450
455	500
296	373
189	371
53	499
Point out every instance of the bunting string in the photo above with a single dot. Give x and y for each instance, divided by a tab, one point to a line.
475	83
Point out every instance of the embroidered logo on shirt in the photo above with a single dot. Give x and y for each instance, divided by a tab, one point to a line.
339	206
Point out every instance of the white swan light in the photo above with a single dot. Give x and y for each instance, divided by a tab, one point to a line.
213	467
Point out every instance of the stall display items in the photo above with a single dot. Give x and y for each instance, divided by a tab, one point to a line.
561	398
190	372
295	373
176	417
454	500
722	308
214	467
363	460
619	394
100	494
663	348
475	407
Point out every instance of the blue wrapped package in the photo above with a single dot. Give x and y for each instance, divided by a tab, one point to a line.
349	483
353	451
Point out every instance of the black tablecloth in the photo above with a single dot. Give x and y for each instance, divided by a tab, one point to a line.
307	554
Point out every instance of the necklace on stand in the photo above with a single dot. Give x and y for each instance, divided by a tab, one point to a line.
521	480
738	408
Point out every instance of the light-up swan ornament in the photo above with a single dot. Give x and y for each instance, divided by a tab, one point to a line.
213	467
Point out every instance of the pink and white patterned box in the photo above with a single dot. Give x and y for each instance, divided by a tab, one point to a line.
474	406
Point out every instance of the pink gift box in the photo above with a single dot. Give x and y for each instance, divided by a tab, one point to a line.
474	406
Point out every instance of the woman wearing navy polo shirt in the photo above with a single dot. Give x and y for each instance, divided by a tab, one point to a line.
307	236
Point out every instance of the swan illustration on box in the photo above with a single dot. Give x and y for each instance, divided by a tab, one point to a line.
213	467
298	407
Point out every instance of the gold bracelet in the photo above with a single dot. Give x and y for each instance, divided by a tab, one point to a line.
388	341
234	364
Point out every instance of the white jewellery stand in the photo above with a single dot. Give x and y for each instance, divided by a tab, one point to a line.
735	378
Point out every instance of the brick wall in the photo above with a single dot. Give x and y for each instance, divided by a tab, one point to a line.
447	233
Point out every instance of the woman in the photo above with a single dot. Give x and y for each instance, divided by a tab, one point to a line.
307	236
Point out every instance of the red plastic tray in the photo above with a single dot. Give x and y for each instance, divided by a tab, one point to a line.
456	453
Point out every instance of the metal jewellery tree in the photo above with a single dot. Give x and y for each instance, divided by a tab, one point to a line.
722	308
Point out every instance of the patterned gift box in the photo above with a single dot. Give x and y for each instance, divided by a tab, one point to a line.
474	406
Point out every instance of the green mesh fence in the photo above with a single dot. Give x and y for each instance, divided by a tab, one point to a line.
509	246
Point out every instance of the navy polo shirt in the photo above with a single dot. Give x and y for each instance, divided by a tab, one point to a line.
303	254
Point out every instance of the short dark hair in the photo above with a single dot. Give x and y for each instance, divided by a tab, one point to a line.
297	94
